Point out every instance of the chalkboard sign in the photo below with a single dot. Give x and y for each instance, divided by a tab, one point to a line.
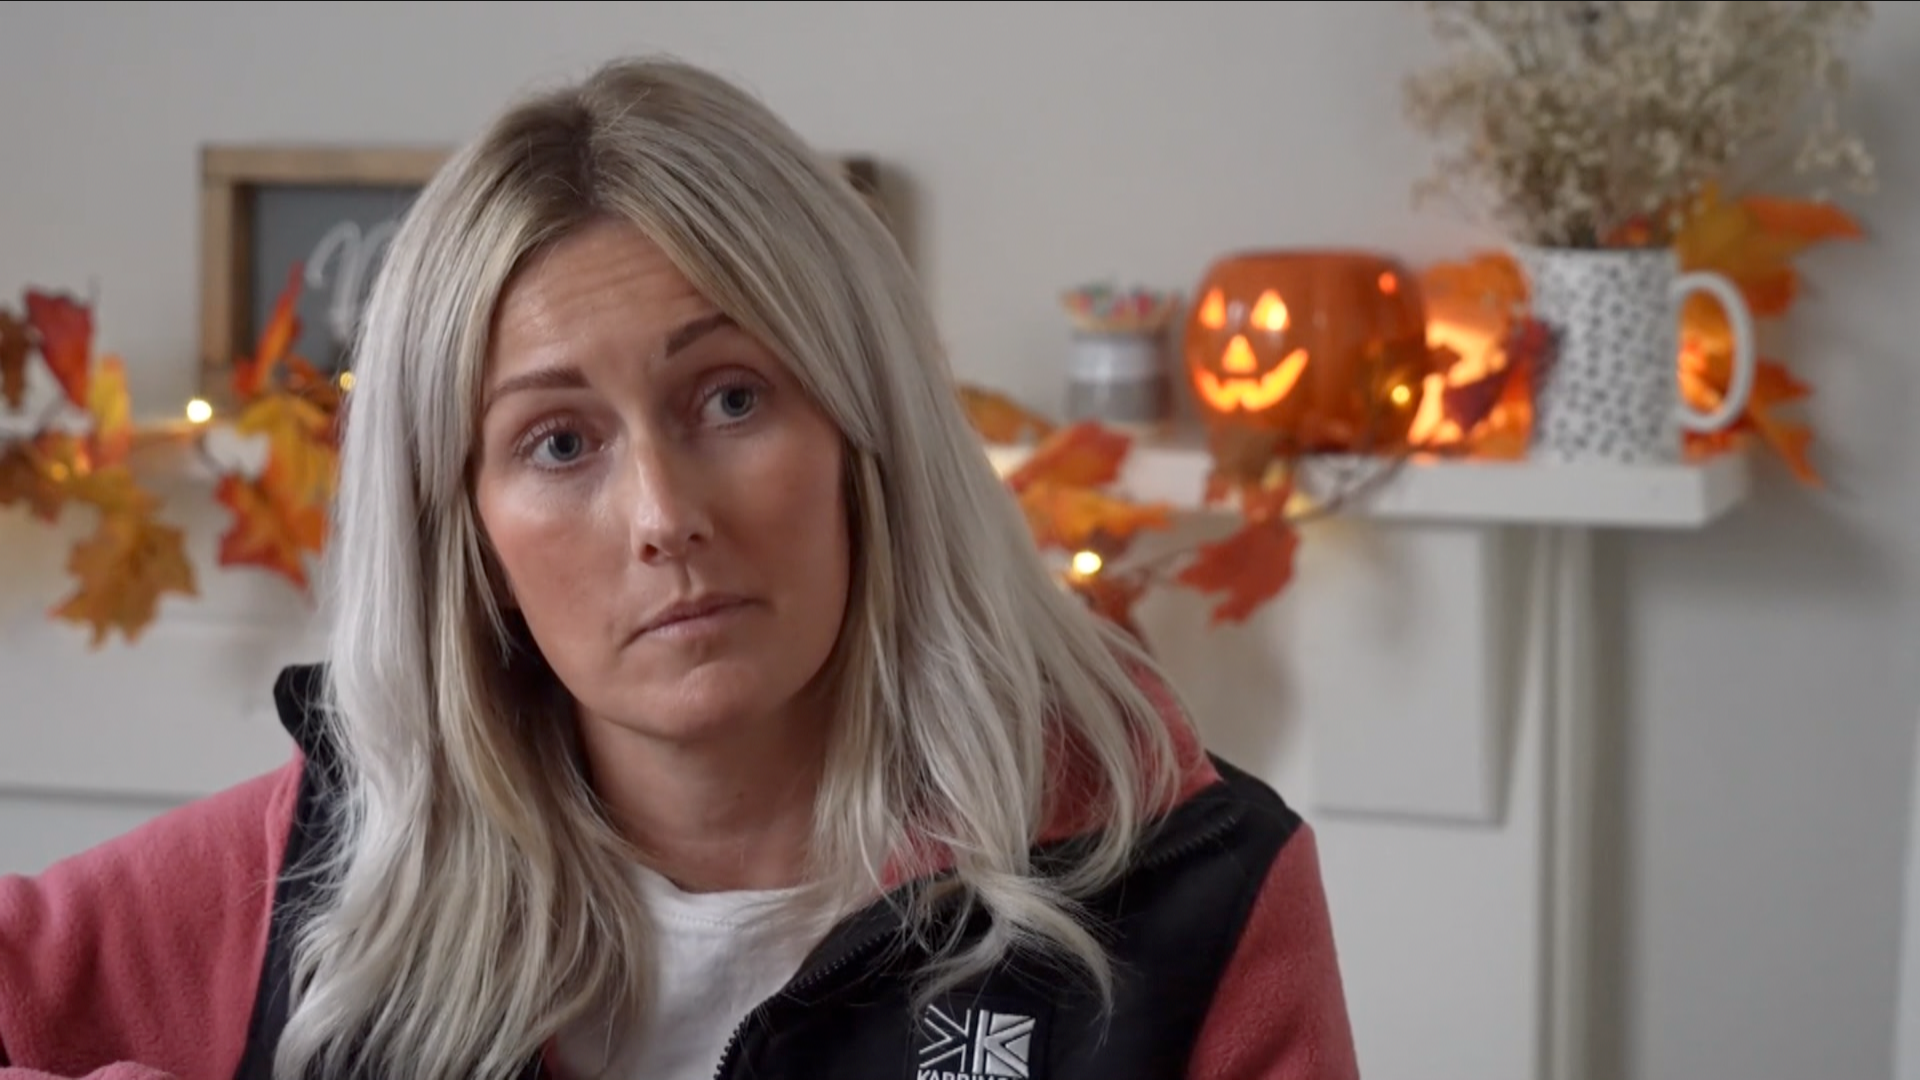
330	212
353	227
266	211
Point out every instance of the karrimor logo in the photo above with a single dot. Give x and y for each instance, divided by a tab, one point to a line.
976	1044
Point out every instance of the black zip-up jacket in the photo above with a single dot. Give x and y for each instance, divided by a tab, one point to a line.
1222	946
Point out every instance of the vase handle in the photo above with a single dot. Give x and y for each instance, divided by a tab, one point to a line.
1746	361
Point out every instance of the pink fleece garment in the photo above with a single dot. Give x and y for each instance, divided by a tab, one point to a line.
139	959
1280	1011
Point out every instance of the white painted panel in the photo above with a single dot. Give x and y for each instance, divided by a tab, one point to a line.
1397	644
1907	1038
185	711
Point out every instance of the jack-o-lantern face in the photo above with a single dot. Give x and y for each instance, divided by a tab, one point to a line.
1249	378
1327	349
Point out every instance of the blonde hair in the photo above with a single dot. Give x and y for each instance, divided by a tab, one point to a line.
477	901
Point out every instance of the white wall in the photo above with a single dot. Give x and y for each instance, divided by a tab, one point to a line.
1759	713
1907	1045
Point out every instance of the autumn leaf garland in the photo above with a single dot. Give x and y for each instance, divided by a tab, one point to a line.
1064	488
279	516
1753	241
73	448
132	559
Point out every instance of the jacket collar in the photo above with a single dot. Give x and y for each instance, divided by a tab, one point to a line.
299	695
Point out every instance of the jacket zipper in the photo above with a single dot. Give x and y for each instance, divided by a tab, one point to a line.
810	979
1154	859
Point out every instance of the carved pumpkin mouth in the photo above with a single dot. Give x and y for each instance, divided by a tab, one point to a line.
1240	389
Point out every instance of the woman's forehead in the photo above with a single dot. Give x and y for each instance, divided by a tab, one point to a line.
606	281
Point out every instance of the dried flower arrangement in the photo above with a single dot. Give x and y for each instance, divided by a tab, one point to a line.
1598	124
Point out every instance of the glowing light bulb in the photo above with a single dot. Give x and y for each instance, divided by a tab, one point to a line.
1401	394
1086	563
199	411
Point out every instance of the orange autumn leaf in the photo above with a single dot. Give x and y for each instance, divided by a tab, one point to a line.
25	478
1775	385
111	410
1248	568
1070	517
1703	380
252	374
1000	419
1703	384
112	490
1793	441
270	530
1525	346
1468	404
65	329
123	570
16	347
1753	241
1810	220
300	443
63	455
54	468
1083	455
1489	281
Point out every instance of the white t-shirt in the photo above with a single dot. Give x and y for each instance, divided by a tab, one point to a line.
713	965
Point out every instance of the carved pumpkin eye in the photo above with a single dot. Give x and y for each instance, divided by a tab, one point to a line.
1269	313
1213	310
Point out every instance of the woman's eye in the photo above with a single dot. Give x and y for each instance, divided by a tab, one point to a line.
735	402
559	448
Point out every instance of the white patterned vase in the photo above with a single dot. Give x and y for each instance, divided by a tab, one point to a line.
1611	390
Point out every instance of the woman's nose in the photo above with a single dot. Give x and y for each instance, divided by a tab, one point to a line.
669	506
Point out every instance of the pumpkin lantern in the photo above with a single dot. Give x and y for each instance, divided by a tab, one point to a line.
1325	349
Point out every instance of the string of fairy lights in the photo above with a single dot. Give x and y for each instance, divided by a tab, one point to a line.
200	411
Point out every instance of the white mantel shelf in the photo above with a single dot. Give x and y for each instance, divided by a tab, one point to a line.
1688	495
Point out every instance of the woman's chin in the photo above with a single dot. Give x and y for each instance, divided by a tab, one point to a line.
714	703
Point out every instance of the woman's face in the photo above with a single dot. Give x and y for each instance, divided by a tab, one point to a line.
664	499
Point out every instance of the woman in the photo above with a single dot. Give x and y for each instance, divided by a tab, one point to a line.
696	703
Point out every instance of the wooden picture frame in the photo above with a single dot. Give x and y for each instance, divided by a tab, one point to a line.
265	207
258	209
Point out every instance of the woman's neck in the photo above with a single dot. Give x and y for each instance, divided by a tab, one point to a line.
718	815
